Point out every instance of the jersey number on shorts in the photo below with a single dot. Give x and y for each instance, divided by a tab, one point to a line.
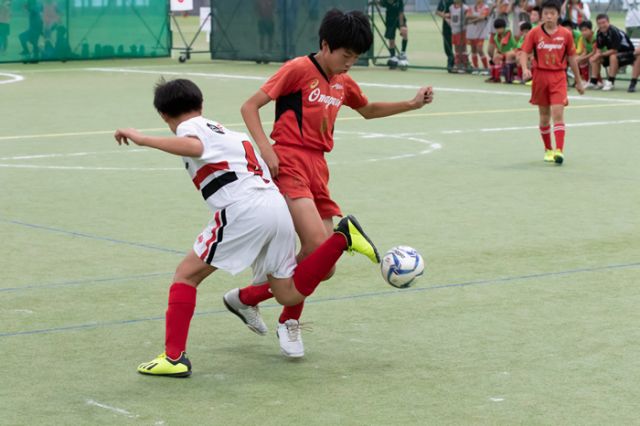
252	160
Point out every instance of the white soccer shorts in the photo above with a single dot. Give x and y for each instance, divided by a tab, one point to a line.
256	232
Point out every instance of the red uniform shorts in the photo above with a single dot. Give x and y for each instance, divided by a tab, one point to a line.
549	88
459	39
303	173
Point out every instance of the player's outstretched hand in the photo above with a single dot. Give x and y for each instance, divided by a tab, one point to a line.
526	74
123	136
423	97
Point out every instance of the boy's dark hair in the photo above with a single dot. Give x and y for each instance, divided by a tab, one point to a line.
177	97
536	8
550	4
525	26
350	30
499	23
568	23
602	16
586	24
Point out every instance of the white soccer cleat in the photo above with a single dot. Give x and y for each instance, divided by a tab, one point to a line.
591	86
290	337
250	315
608	86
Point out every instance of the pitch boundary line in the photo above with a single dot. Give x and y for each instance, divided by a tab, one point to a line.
14	78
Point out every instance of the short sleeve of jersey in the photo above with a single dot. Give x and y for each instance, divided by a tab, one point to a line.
189	128
527	45
285	80
353	96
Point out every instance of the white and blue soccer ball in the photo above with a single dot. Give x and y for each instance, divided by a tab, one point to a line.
401	266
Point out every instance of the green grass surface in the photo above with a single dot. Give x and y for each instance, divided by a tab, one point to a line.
527	313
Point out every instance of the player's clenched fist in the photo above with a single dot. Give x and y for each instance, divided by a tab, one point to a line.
423	97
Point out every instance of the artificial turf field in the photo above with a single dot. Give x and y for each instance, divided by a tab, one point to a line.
527	313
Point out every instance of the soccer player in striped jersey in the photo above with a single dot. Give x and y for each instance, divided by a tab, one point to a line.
251	225
552	47
308	92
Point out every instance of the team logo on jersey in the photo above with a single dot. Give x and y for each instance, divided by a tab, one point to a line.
550	46
314	83
218	129
316	96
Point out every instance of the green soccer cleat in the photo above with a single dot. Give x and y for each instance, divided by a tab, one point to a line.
558	157
162	365
357	240
548	156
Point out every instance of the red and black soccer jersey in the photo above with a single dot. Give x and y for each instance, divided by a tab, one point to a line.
307	103
550	50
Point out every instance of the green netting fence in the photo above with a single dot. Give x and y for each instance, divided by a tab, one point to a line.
54	30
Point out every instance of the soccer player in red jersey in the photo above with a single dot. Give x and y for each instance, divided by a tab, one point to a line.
552	46
309	92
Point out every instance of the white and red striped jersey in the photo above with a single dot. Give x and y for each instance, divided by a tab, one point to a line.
229	169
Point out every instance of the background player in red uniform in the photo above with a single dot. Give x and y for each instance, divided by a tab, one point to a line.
552	46
308	92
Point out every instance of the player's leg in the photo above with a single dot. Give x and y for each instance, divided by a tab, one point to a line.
635	72
404	33
510	63
474	55
557	115
545	131
182	302
611	72
595	62
310	272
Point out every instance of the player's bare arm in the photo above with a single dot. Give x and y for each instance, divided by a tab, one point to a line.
250	111
385	109
183	146
573	63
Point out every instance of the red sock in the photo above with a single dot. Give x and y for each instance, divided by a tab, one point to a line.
558	133
182	303
253	294
315	267
584	72
291	312
495	72
485	62
519	73
474	59
545	132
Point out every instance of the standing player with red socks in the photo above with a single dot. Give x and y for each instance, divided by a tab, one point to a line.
251	224
308	92
552	46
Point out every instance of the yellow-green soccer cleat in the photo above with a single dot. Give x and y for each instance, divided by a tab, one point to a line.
558	157
162	365
357	240
548	156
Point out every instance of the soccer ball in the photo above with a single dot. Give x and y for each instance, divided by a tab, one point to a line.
401	265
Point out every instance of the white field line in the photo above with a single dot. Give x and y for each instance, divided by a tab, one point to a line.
363	84
509	129
69	154
70	134
13	78
430	147
110	408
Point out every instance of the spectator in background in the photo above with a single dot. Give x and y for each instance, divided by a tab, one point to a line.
34	30
457	16
587	50
5	18
576	11
632	19
477	33
520	15
500	10
265	10
504	58
442	10
525	27
619	52
395	20
534	16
